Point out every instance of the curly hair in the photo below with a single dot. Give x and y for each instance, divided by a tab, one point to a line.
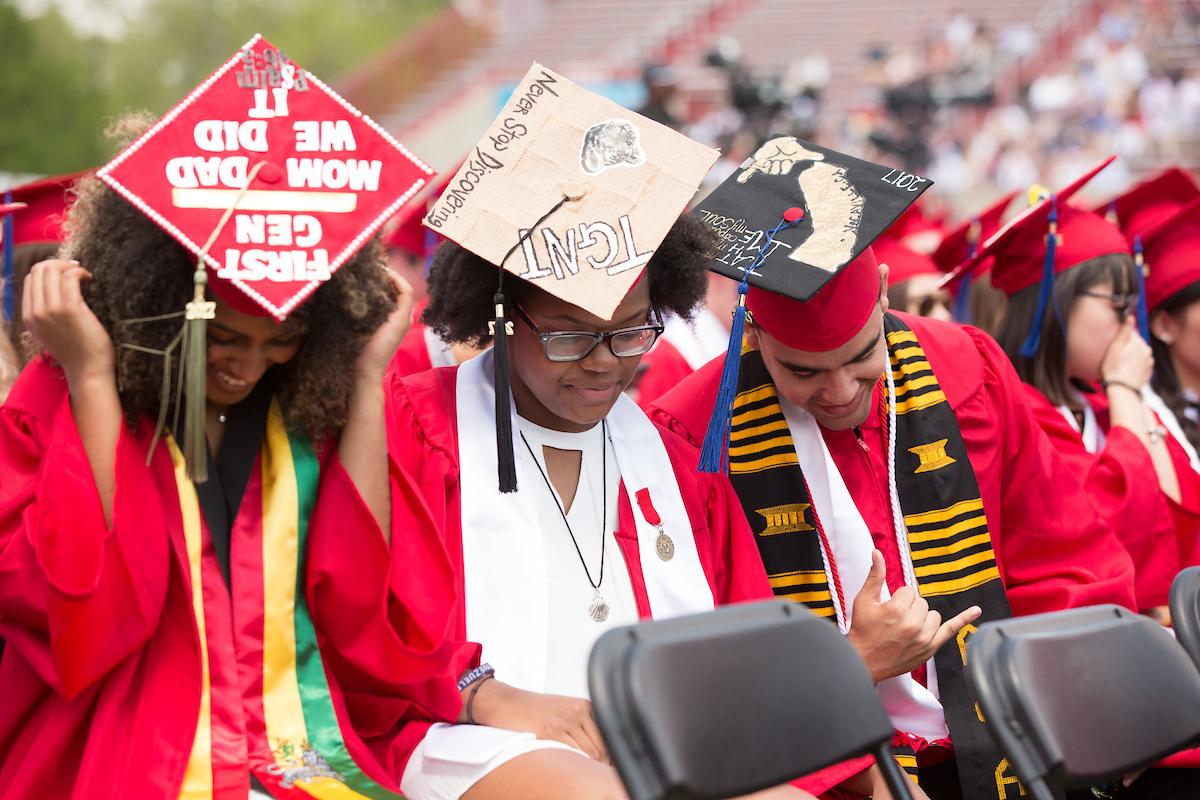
462	285
139	271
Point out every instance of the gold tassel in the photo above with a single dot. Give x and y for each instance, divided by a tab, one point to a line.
195	379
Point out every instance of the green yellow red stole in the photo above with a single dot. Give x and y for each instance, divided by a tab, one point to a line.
944	540
307	754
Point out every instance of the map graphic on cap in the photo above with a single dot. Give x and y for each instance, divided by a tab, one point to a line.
312	178
846	203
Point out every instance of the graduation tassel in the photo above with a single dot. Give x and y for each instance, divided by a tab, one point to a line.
714	455
195	377
501	329
1034	340
962	305
9	285
1141	273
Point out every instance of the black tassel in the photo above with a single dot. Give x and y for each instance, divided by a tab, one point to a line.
505	461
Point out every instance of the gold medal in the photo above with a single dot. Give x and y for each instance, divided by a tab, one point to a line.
664	546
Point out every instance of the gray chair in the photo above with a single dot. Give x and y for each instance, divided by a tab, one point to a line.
733	701
1185	610
1081	698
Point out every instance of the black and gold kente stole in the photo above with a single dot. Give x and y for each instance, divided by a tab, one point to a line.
948	538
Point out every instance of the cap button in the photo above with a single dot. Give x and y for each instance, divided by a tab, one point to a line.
793	214
270	173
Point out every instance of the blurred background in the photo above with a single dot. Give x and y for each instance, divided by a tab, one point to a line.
981	96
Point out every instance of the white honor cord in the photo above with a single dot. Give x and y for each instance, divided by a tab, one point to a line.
910	575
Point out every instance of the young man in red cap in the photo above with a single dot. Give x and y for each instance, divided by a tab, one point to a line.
887	464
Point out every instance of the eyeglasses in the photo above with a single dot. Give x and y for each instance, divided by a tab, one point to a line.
577	345
1123	304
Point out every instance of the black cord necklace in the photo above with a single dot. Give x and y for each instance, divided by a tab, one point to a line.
598	609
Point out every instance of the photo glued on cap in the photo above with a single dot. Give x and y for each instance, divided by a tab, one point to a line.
847	204
626	179
308	177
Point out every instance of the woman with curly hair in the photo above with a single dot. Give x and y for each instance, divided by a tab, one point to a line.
159	642
555	504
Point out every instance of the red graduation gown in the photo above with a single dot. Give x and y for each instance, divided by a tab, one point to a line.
102	675
426	539
1121	482
412	356
1052	549
660	371
1185	513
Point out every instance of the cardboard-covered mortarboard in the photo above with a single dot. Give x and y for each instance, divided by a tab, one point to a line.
795	223
1150	201
572	193
1049	237
1171	253
274	181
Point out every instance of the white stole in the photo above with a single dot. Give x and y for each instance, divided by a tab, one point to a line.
503	561
1168	420
911	707
1093	437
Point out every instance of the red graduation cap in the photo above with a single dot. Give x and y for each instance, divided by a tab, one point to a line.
270	176
1171	251
1151	201
39	208
406	232
1017	251
963	242
903	261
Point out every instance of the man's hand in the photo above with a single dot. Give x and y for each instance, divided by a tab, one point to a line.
548	716
900	634
777	157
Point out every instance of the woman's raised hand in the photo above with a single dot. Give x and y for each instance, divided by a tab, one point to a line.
55	312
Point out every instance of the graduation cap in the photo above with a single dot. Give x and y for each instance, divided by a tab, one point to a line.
274	181
1150	201
962	242
902	260
795	224
32	213
1171	252
571	192
1049	237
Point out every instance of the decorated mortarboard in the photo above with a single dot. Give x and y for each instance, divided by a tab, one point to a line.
32	213
1049	237
795	224
961	243
274	181
1171	253
1150	201
571	192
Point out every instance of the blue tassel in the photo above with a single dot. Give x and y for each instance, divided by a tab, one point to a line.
9	288
1034	340
1139	269
713	455
715	451
962	305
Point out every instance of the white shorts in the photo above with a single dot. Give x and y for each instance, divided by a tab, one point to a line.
453	758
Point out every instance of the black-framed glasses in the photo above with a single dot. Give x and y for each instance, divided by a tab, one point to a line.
577	345
1123	304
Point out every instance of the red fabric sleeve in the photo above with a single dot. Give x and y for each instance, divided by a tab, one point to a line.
1054	550
385	607
661	370
76	597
